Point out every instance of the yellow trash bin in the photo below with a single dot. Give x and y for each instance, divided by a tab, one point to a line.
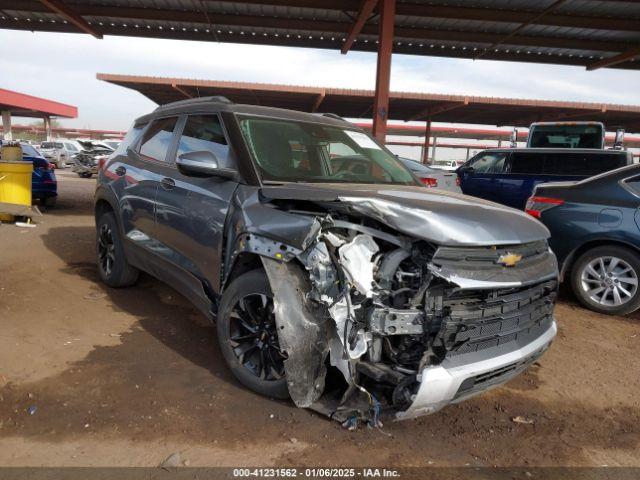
15	185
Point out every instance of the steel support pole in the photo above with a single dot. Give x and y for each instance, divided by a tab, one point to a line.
427	136
467	158
6	126
433	149
47	129
383	70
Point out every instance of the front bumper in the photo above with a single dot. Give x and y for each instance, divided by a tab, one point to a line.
448	382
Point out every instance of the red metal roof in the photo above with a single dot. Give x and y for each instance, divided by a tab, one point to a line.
591	33
23	105
351	103
69	132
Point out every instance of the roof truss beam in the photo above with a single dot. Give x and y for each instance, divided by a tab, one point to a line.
70	15
521	27
182	90
615	60
541	117
366	9
341	28
431	111
318	101
471	13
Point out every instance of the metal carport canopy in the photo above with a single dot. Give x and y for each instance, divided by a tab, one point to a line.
590	33
402	105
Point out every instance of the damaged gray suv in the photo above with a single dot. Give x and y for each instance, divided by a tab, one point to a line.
334	278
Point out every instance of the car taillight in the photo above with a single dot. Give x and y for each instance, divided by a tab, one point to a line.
429	181
101	163
537	205
50	166
457	181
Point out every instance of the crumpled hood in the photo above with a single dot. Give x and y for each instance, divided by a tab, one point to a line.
434	215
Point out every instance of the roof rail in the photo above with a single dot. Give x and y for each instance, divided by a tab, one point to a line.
196	101
333	115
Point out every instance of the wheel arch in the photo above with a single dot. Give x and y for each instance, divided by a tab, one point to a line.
570	261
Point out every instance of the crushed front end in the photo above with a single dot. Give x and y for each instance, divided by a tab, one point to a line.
407	325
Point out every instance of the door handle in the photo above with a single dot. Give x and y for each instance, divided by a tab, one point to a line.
167	183
121	171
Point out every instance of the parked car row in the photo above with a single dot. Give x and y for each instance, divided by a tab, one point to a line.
588	199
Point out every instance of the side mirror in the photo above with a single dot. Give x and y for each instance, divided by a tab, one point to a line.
465	169
619	141
203	163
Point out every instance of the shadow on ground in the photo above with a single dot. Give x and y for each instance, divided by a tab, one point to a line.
166	379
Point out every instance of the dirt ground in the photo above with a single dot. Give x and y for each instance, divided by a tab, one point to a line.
92	376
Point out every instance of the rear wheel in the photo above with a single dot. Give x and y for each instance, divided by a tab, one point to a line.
113	267
248	336
605	279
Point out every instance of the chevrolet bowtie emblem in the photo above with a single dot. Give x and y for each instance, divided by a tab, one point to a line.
509	259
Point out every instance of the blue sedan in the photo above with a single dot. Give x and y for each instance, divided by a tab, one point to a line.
595	233
44	186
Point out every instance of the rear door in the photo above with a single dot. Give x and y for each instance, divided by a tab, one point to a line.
191	211
136	179
483	175
525	170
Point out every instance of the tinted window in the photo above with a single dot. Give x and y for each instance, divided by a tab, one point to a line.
527	163
489	162
582	163
157	139
29	151
415	166
204	132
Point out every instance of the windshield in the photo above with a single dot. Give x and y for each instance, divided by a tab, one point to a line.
288	151
566	136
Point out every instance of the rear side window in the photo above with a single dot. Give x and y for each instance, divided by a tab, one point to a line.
128	140
157	139
528	163
204	132
586	164
490	162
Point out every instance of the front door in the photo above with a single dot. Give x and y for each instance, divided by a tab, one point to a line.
481	178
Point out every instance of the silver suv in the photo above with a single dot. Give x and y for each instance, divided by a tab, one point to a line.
335	279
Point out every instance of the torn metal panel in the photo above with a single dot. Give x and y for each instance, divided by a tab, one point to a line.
443	218
302	333
480	269
356	257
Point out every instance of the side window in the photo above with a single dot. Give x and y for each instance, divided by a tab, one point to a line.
492	162
527	163
157	139
204	132
128	140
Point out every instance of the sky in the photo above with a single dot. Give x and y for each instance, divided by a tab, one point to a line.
63	67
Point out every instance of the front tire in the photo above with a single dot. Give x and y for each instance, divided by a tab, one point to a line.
605	279
113	267
248	336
